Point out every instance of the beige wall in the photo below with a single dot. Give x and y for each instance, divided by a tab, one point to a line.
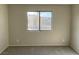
59	36
3	27
75	28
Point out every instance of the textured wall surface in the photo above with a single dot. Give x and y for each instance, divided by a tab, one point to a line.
75	28
3	27
59	36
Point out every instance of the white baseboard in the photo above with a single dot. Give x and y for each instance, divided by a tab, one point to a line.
38	45
75	49
3	49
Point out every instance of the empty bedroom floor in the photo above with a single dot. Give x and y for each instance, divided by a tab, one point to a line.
38	50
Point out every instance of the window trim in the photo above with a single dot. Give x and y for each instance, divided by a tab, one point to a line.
39	21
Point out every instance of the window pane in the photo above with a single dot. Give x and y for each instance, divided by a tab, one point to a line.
33	20
45	20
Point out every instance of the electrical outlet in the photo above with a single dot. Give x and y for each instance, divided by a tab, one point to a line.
63	40
17	41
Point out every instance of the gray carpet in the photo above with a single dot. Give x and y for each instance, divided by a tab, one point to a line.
38	50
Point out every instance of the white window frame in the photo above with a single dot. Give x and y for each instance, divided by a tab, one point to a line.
39	20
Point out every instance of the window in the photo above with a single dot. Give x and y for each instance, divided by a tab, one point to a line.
33	20
39	20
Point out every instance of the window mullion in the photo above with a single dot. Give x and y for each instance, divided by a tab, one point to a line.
39	20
